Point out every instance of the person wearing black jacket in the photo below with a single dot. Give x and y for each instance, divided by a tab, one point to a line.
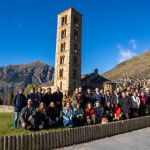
109	111
99	112
58	96
82	98
51	113
39	95
32	95
126	104
89	97
116	97
19	102
48	97
108	97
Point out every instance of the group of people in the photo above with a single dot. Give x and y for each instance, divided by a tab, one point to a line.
42	110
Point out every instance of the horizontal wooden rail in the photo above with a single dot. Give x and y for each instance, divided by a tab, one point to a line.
66	137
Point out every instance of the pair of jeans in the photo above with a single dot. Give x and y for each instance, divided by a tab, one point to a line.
16	120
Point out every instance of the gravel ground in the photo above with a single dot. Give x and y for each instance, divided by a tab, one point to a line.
136	140
4	108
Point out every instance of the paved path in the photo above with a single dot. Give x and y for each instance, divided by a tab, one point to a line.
136	140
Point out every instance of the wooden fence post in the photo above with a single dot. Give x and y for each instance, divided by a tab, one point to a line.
29	141
33	142
6	143
66	137
1	142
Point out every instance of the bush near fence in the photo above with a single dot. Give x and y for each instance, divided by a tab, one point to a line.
57	139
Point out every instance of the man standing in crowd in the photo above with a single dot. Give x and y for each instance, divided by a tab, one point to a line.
116	97
19	102
75	97
58	96
98	96
39	95
82	98
103	97
48	97
126	104
32	95
108	97
89	97
148	99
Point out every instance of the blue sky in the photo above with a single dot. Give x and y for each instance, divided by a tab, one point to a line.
113	31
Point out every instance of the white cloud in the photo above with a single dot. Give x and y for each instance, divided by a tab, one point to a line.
133	44
126	53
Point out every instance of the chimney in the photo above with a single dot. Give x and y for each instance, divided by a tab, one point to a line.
96	71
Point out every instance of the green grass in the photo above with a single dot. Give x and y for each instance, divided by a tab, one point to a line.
6	126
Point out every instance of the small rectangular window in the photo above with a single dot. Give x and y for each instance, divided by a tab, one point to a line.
76	48
60	85
64	20
61	73
62	47
76	34
74	74
63	34
75	61
76	22
62	60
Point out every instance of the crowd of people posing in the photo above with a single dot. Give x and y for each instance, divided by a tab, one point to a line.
43	110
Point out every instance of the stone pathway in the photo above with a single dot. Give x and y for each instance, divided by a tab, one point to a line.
135	140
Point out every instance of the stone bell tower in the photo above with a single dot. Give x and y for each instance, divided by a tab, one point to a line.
68	50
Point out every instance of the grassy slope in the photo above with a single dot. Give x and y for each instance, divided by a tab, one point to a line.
6	126
138	66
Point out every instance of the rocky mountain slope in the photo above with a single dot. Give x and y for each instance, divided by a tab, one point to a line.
15	76
136	67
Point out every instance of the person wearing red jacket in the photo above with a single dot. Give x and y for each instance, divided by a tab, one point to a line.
117	113
143	104
90	114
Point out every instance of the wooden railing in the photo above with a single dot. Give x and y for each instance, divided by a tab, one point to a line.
66	137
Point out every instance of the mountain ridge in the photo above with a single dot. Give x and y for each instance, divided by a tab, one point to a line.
136	67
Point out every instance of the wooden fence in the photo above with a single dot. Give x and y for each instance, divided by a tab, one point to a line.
66	137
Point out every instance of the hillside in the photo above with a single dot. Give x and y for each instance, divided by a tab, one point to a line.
14	76
136	67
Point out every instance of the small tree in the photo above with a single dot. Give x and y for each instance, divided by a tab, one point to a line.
29	87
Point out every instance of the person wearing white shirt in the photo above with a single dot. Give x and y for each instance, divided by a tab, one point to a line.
135	104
